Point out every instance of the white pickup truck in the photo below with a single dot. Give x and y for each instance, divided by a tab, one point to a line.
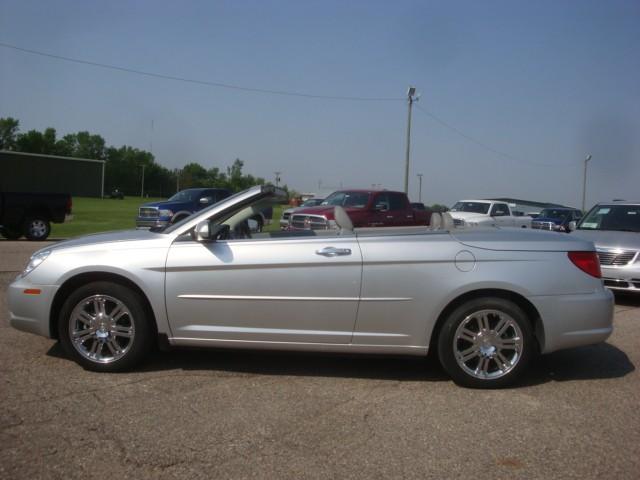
486	213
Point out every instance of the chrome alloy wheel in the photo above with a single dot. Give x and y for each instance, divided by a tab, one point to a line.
101	328
37	228
488	344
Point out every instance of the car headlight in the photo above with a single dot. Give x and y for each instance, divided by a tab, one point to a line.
35	260
165	213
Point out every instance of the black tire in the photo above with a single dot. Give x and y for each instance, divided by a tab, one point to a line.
10	233
178	218
135	322
490	345
36	228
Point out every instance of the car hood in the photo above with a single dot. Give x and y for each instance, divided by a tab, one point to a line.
106	237
467	215
517	239
610	238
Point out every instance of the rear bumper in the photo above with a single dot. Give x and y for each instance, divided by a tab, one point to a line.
575	320
30	312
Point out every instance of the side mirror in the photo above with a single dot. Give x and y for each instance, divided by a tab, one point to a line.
572	226
205	232
381	207
204	200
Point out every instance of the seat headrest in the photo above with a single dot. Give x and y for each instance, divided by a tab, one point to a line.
436	221
342	220
447	221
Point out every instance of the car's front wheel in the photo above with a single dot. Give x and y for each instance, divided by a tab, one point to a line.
103	326
10	233
486	343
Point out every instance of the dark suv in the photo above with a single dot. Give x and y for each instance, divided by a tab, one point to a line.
556	219
181	205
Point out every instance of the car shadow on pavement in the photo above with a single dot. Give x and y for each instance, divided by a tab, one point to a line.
602	361
288	363
593	362
627	299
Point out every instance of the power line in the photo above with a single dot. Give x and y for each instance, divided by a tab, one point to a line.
484	145
196	81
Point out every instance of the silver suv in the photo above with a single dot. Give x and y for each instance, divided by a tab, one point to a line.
614	228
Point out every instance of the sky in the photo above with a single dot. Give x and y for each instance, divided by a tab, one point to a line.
513	94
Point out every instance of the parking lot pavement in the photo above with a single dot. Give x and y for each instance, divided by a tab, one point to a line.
217	414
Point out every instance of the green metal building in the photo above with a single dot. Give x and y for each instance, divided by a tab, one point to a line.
36	173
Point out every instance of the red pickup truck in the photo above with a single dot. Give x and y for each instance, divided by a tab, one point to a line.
366	208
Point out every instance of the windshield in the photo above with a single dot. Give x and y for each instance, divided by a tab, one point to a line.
474	207
177	225
185	196
553	213
348	199
312	202
622	218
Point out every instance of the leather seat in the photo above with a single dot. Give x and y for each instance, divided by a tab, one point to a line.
342	220
436	221
447	221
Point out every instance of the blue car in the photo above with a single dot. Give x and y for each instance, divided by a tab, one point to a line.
178	207
556	219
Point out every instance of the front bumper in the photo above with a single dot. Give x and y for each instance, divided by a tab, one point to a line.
142	222
30	312
575	320
622	279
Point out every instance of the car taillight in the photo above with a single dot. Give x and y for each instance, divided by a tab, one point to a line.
587	262
69	205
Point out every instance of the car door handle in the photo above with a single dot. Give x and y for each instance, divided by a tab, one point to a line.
333	251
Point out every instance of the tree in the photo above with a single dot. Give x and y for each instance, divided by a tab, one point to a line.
82	145
194	175
9	128
37	142
437	207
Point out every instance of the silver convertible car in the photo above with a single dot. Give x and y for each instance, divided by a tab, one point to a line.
485	300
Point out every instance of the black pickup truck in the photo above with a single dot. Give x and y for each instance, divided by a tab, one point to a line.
31	214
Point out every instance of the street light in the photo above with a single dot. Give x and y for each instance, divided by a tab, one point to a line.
584	182
142	186
420	187
411	97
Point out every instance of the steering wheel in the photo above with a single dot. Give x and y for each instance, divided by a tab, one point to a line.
242	230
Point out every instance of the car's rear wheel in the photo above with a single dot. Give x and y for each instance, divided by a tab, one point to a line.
104	327
10	233
37	228
486	343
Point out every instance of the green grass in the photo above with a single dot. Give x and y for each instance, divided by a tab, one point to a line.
93	215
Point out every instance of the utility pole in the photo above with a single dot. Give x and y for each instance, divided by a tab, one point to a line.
584	183
411	97
277	174
420	188
142	187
